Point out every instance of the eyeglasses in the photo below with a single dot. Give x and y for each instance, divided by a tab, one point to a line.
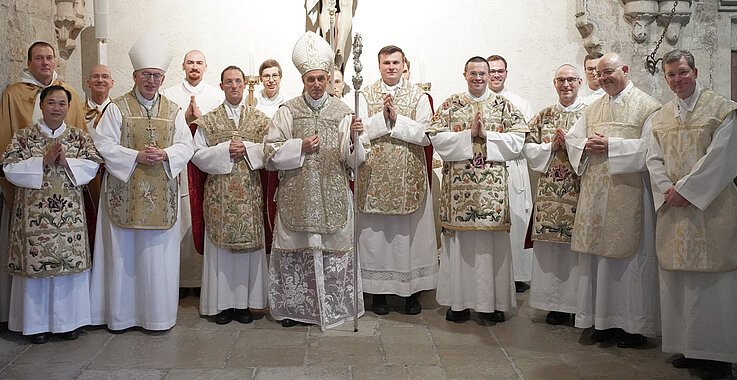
147	75
591	69
233	82
268	77
564	80
606	72
500	71
475	74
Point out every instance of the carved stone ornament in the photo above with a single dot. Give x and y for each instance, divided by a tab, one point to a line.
680	18
640	13
586	28
68	23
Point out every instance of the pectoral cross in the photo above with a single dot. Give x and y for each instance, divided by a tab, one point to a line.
152	134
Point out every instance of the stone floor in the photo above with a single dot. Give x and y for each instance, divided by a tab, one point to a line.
394	346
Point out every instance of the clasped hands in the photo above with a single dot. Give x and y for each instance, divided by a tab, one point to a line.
674	199
151	156
559	140
477	127
193	111
55	156
390	112
598	144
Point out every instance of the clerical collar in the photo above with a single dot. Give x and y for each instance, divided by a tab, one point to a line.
91	104
48	132
684	106
145	102
599	92
386	89
194	90
274	100
315	103
577	105
27	77
233	110
481	98
619	97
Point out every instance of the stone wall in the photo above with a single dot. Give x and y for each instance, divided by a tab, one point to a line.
24	22
701	28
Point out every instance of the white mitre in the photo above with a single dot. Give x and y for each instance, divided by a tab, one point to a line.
151	51
312	52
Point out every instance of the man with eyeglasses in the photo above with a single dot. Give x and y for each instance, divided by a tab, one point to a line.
196	98
229	148
691	163
554	267
397	244
20	108
614	225
593	88
145	141
520	197
270	97
475	133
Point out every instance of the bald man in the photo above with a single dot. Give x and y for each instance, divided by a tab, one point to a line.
195	98
99	82
615	222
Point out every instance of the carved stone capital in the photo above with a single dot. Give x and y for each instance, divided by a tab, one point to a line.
68	23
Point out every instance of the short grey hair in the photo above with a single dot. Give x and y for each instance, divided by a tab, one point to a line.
578	73
676	55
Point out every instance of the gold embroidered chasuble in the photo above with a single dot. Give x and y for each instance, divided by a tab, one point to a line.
474	191
312	198
393	180
48	229
16	111
149	200
609	212
688	239
558	188
233	202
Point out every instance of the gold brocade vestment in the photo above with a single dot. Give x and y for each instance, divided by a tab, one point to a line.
688	239
149	200
312	198
474	191
48	232
233	203
16	111
558	188
393	180
609	212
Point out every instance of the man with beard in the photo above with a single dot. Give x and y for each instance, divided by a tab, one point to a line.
196	98
554	266
614	226
475	133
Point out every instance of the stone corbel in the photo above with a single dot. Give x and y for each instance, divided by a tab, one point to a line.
586	28
640	13
69	21
680	18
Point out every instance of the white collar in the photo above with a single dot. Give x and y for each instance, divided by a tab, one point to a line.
684	106
316	103
233	107
194	90
91	103
48	132
387	89
145	102
27	77
481	98
577	105
619	97
276	99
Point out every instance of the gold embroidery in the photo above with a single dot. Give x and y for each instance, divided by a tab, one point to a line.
557	190
474	192
48	232
233	203
609	213
312	198
393	180
687	238
149	200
